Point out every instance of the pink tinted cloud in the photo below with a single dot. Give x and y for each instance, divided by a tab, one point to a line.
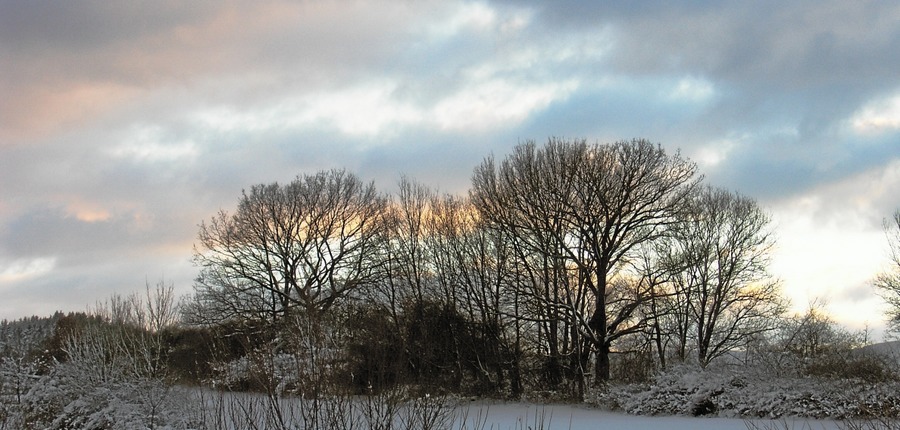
53	84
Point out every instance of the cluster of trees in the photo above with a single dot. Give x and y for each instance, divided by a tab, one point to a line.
560	256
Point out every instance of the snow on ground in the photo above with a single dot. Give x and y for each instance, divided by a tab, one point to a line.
229	409
525	416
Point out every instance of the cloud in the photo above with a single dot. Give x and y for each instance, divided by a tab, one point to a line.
879	116
150	144
75	236
780	45
783	76
24	269
99	56
76	288
497	103
837	224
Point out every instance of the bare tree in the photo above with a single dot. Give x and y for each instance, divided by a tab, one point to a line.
595	204
473	267
283	266
632	190
658	302
525	197
303	245
718	257
408	268
887	284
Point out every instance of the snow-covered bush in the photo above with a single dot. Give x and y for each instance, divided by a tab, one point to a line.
67	399
8	415
681	392
260	371
730	394
106	375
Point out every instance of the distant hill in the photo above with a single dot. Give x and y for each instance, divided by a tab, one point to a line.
889	350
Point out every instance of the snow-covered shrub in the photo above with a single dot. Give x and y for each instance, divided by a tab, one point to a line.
682	392
260	371
21	363
724	393
65	399
110	376
9	416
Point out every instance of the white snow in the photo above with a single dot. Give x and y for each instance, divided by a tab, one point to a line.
523	416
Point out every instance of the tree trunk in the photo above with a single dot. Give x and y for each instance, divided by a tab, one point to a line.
601	371
660	349
551	293
598	326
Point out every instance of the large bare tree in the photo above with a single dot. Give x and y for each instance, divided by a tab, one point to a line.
585	208
525	197
299	246
718	255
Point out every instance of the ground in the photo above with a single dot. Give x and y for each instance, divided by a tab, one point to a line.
525	416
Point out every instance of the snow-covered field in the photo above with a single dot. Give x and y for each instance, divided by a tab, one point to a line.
202	409
524	416
229	411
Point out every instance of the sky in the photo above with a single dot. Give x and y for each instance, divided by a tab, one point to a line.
124	125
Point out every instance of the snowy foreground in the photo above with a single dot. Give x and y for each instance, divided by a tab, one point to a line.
516	416
226	411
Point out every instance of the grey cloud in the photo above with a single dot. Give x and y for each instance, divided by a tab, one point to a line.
77	288
31	25
804	43
99	57
762	49
855	294
620	112
54	234
777	166
443	162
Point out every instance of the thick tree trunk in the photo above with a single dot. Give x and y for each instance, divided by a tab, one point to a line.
598	326
601	371
554	367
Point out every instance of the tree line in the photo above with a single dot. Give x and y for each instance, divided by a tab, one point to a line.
560	256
